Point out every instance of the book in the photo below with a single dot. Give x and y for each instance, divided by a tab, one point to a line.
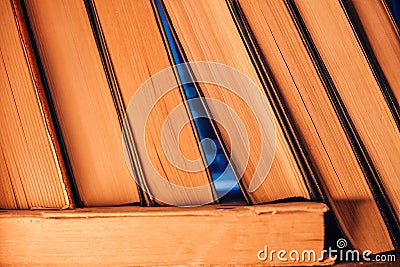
317	118
364	96
32	168
155	236
207	32
82	100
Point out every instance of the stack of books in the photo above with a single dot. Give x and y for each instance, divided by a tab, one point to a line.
302	97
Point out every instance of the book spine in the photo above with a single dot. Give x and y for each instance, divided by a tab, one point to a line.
44	99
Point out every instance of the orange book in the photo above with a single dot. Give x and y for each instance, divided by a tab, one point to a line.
32	169
82	100
166	236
